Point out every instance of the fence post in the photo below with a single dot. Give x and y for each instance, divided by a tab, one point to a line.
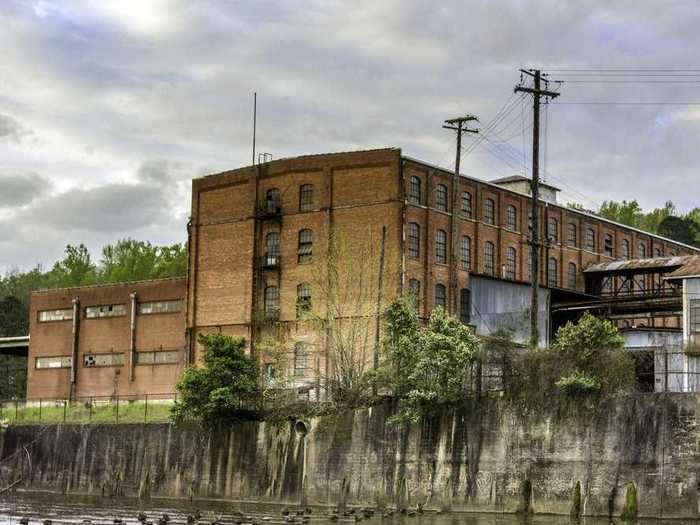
65	406
117	408
16	410
665	369
145	410
39	409
90	416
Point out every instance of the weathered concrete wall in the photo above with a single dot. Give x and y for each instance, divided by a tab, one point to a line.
473	458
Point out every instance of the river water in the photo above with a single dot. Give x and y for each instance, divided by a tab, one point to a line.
37	509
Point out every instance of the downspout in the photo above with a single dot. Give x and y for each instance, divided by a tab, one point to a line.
132	336
74	347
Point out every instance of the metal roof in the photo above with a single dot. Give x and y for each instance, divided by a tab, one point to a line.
520	178
691	269
656	263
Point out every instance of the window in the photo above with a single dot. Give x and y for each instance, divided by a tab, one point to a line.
466	253
305	249
624	248
511	217
642	253
303	299
413	240
572	275
511	259
553	229
489	263
61	361
659	252
414	190
590	240
96	360
694	318
65	314
157	357
489	211
552	272
441	197
306	197
272	302
608	245
160	307
441	247
107	310
440	296
272	249
300	359
466	204
414	292
465	306
572	236
273	201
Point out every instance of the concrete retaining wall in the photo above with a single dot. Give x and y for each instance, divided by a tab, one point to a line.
478	457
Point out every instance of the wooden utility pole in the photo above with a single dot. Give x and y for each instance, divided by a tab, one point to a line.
535	242
459	125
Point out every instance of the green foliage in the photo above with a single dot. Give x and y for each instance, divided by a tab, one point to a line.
126	260
576	501
223	388
425	366
578	384
664	221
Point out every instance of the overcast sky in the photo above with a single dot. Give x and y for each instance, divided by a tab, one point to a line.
109	108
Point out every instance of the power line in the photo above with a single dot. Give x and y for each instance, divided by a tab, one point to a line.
625	103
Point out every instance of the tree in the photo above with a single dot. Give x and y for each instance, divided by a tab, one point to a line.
75	269
425	366
624	212
226	386
681	229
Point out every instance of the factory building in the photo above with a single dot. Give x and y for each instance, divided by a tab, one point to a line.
298	255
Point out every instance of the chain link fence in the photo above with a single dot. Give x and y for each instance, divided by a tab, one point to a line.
147	408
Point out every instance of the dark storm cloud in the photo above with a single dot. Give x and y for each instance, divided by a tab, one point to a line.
18	189
12	130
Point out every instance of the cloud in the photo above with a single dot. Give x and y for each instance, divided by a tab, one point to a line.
132	99
19	189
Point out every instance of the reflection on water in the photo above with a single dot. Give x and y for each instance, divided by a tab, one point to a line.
37	509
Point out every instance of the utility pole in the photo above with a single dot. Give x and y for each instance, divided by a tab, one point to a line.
459	125
536	92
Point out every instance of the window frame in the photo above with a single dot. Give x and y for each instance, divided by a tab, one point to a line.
489	211
305	246
105	314
466	209
440	246
414	292
442	295
141	306
441	197
465	305
303	301
552	273
306	197
413	240
572	235
572	277
271	301
591	240
66	362
415	190
512	217
67	315
301	359
489	258
511	263
465	253
553	229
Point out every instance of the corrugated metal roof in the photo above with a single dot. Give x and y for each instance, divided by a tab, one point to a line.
692	269
643	264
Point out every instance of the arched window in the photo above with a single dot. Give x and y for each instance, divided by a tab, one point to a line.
306	197
590	240
440	295
553	229
272	302
465	305
511	217
625	249
609	245
441	247
659	252
303	299
466	204
511	260
272	249
441	197
273	201
573	277
489	211
489	263
572	237
414	190
413	240
414	292
552	272
305	247
642	253
300	359
466	252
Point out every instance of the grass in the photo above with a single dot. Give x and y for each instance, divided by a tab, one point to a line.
77	412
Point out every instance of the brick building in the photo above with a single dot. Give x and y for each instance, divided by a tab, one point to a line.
125	339
279	248
259	238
